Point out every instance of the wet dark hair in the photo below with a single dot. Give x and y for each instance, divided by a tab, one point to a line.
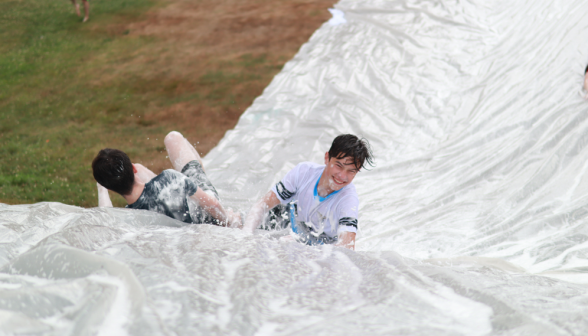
585	71
113	169
346	145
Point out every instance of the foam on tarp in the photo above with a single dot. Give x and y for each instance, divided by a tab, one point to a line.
473	222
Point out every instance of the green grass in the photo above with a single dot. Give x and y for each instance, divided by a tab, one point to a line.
52	119
68	89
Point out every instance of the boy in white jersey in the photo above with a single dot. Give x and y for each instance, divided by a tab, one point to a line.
324	203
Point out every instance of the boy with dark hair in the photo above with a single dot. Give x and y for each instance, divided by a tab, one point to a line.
113	169
185	193
323	203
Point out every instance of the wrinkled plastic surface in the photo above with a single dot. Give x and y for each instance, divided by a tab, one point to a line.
474	222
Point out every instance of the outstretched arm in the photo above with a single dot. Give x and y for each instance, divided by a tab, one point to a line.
213	207
103	197
347	240
255	215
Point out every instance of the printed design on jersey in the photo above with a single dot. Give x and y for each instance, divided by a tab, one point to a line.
348	221
283	192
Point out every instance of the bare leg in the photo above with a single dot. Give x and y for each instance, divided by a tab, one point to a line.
86	10
143	173
180	151
77	6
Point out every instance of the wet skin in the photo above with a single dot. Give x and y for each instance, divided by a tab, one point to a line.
338	173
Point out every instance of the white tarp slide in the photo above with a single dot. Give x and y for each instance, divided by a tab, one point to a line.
474	222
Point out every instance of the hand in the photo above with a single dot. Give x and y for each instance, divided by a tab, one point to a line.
103	197
258	211
233	219
346	240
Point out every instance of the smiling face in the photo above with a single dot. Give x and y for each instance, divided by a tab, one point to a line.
338	173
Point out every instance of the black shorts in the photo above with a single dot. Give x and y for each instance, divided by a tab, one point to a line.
194	171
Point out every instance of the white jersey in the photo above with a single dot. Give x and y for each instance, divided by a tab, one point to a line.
334	215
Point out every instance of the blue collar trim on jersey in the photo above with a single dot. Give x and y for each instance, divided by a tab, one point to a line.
316	195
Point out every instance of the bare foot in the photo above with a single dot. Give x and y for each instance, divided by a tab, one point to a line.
85	19
78	9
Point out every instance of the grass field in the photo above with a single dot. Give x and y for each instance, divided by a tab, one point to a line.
137	70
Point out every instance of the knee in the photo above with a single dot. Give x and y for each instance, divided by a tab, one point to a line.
172	137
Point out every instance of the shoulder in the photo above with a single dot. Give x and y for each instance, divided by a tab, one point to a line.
170	172
348	195
346	203
165	175
177	179
307	167
169	175
304	171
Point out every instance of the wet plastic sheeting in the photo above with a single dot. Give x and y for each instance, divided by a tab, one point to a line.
474	222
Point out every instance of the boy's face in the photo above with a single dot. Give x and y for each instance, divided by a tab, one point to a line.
339	172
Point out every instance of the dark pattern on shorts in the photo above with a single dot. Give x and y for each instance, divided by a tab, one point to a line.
193	171
307	235
277	218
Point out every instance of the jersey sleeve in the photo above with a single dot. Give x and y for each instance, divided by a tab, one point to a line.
288	186
347	213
